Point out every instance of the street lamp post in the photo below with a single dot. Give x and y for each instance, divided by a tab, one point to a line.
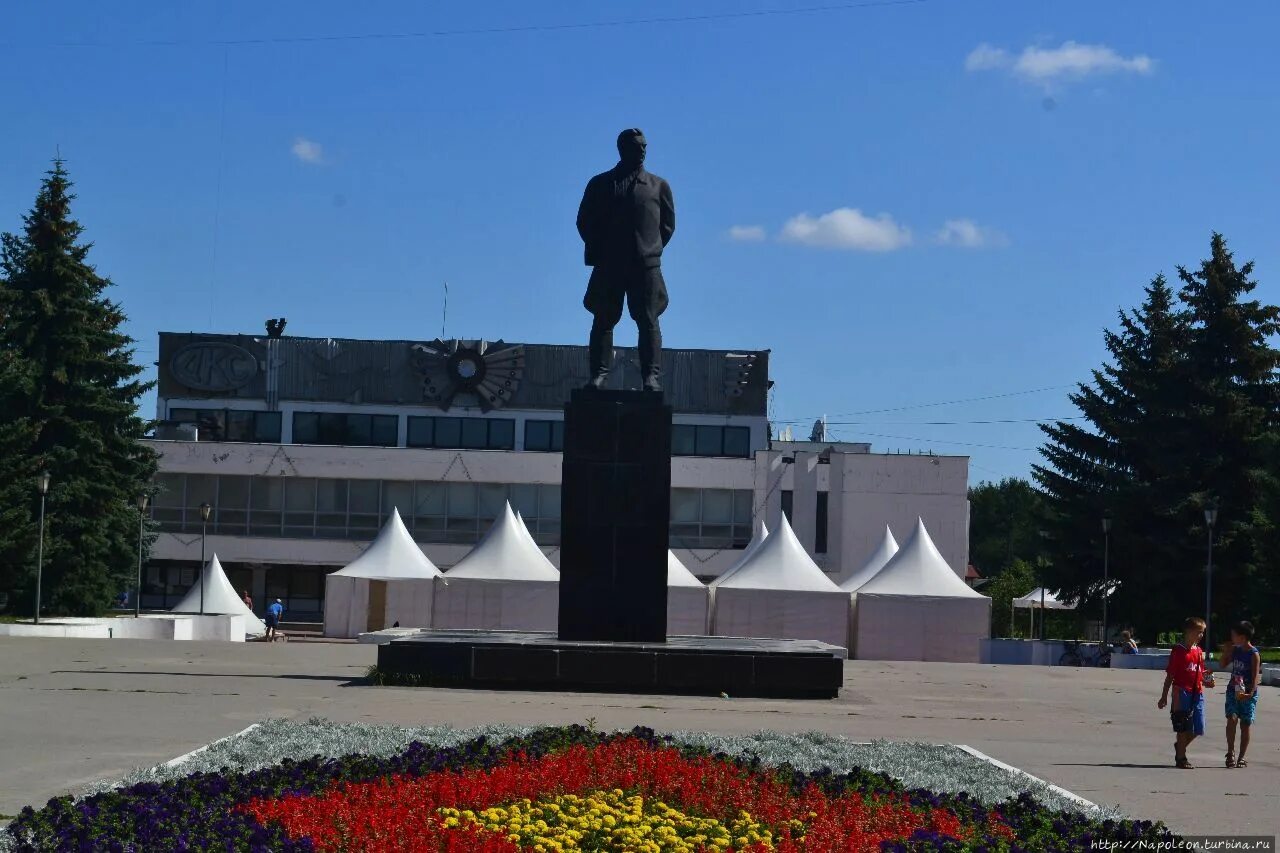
1210	519
137	593
204	532
1106	560
42	483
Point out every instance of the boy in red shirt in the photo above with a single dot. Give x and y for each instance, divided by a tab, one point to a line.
1187	673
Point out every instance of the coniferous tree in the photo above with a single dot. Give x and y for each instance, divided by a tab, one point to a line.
1121	467
69	390
1233	397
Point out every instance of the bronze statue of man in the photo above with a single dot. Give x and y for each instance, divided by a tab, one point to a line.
626	218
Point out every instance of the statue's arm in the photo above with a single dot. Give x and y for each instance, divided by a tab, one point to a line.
585	214
667	213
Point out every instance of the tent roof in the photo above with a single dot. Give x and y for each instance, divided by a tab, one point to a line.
1051	601
678	574
219	597
780	563
918	570
871	566
393	554
507	552
758	535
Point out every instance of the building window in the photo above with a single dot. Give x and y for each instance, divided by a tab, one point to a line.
704	440
231	424
462	433
544	435
788	497
710	518
346	428
820	526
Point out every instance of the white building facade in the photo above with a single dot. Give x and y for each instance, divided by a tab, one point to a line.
304	446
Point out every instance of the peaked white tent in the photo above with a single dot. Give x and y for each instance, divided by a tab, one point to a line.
219	597
917	608
506	583
758	535
859	575
362	597
779	591
688	600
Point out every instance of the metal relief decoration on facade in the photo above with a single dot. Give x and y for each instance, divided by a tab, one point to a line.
489	370
214	366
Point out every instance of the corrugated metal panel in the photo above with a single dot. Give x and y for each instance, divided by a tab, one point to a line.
342	370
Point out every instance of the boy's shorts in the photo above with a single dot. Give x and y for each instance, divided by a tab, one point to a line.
1189	719
1243	710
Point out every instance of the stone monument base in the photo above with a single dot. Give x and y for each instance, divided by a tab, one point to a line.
512	660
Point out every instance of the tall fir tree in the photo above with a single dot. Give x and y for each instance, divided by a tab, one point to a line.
1233	399
1125	465
70	393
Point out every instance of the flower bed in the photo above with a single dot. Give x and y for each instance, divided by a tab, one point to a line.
552	789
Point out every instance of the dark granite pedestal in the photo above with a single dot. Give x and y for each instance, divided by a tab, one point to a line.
510	660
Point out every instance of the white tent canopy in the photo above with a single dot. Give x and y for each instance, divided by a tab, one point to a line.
778	591
688	600
870	567
1050	601
219	597
356	598
505	583
918	608
1038	599
758	535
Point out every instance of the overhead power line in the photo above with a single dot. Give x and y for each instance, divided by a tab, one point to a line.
941	423
941	403
482	31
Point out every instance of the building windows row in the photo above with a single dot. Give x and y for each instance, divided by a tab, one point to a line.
451	433
231	424
456	513
346	428
704	440
462	433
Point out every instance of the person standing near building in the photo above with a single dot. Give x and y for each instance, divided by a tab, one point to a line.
248	602
274	613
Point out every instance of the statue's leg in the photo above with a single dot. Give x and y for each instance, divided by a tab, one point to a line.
605	293
646	300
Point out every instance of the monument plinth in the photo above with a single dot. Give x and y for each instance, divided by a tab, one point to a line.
614	518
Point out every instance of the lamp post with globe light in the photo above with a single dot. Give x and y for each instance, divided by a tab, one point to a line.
205	509
1210	519
42	484
143	499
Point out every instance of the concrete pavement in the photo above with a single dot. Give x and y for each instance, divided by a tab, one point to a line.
74	711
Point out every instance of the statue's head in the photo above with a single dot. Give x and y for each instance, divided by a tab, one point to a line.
631	147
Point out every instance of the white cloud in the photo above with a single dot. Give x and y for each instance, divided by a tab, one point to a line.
746	233
985	57
308	151
847	228
1069	61
968	234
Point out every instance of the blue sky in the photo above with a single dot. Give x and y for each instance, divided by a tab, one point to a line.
908	204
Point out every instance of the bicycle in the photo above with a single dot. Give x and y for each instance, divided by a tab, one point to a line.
1077	654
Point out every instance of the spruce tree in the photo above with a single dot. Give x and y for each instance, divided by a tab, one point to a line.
1233	399
1124	464
70	391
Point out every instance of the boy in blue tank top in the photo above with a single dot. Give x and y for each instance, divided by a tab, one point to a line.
1242	692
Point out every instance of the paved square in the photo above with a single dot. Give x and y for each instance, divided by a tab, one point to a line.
74	711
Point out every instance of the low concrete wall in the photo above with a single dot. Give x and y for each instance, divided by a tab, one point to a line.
1021	652
151	627
84	629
